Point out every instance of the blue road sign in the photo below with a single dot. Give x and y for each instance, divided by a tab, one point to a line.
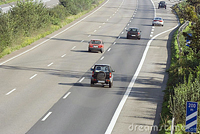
191	117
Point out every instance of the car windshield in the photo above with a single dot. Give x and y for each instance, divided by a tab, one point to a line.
96	42
101	68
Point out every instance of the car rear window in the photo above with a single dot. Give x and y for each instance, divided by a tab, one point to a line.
101	68
96	42
133	29
157	19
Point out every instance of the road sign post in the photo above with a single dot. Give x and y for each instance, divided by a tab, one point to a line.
191	117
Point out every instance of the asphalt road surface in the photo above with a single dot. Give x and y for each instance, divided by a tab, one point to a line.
45	87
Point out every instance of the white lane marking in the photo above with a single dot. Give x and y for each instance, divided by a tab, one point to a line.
66	95
131	18
130	21
127	24
82	41
102	58
133	15
99	26
46	116
122	32
11	91
113	14
119	37
128	90
107	19
95	31
151	32
125	28
152	29
73	47
116	12
104	23
114	43
109	49
63	55
50	64
151	35
110	16
81	79
54	35
89	35
33	76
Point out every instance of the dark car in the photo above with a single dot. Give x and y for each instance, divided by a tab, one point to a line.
133	33
102	73
96	45
162	4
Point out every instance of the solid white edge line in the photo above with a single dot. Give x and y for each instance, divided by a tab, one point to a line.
54	35
81	79
66	95
33	76
109	49
123	100
11	91
46	116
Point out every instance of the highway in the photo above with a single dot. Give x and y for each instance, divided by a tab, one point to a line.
45	87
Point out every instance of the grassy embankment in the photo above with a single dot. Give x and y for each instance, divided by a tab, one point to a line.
183	84
29	22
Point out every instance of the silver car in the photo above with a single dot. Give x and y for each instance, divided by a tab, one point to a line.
158	21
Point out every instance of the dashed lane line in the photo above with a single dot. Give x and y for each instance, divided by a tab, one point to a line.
11	91
81	79
66	95
46	116
33	76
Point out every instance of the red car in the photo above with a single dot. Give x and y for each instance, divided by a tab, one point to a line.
96	45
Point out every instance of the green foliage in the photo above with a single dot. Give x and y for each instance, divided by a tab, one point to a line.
29	21
77	6
184	73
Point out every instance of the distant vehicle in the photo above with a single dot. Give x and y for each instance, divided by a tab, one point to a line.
133	33
96	45
158	21
102	73
162	4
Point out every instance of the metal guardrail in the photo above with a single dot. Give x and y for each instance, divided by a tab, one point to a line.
181	28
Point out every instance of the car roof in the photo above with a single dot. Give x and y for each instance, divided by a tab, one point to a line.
96	39
102	65
158	17
133	27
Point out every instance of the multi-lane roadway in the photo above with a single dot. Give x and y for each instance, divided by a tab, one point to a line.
45	87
